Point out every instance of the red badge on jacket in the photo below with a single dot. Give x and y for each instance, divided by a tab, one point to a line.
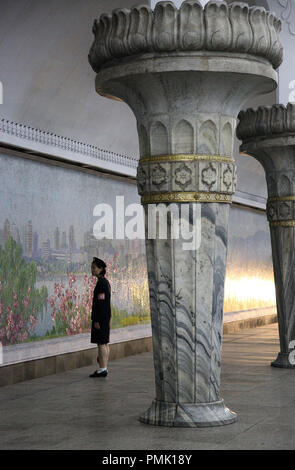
101	296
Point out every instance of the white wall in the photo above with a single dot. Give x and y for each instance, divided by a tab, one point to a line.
47	80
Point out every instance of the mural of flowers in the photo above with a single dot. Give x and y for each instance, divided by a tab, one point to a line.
20	301
72	311
71	300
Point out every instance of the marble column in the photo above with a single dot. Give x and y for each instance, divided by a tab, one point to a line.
186	73
268	134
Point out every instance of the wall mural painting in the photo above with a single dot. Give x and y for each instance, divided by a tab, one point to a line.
47	244
46	249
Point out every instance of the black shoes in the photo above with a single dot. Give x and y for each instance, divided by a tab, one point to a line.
104	373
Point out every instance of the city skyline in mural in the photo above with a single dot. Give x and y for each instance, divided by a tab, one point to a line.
62	244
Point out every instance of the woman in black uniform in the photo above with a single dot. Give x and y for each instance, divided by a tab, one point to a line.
101	316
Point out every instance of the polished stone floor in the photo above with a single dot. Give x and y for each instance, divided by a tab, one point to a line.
72	411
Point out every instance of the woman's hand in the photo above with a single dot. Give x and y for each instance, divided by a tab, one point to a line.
96	325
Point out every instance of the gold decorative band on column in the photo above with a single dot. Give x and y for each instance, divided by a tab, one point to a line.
281	198
282	223
186	196
186	157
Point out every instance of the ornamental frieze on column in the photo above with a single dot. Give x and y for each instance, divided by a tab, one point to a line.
206	175
185	73
268	134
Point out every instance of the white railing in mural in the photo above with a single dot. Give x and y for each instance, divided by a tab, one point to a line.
64	143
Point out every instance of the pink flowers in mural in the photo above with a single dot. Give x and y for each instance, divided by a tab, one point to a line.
20	301
67	299
19	322
72	311
112	267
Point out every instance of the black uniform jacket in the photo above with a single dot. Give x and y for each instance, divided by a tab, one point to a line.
101	306
101	312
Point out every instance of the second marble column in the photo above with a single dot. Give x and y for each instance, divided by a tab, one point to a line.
268	134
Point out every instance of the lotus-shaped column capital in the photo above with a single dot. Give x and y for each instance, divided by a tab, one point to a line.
234	28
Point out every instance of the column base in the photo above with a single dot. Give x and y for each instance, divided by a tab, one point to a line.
283	361
193	415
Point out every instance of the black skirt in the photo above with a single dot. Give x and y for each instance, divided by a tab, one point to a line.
101	335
